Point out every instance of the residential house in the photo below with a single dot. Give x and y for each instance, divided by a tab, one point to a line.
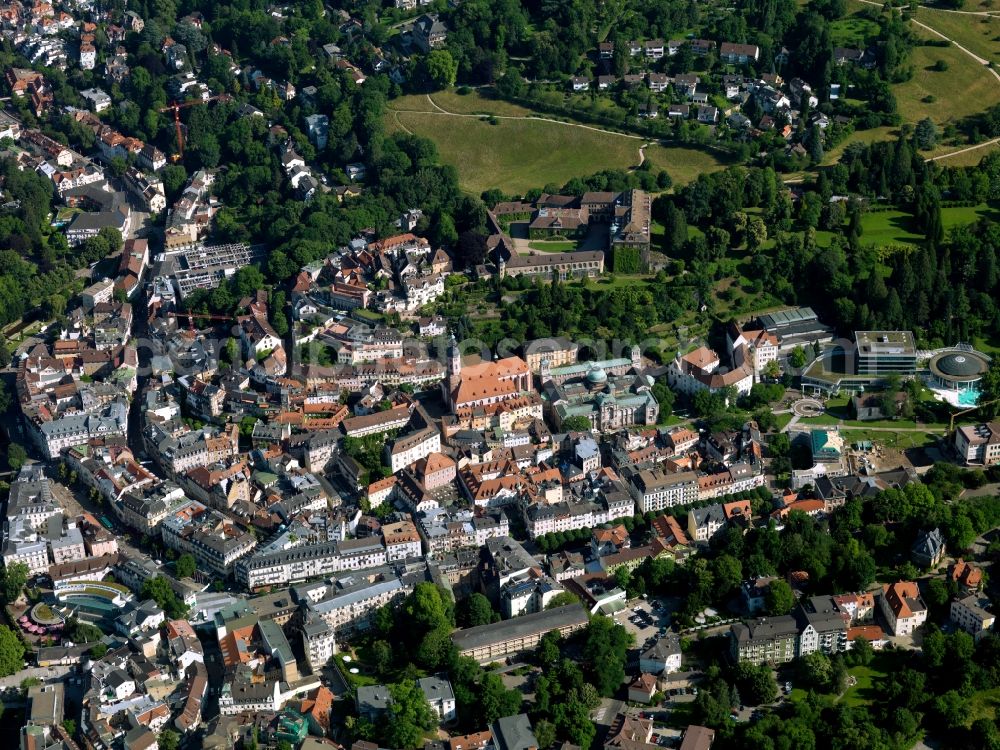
966	574
663	657
97	100
658	82
697	738
642	688
902	607
437	690
654	49
686	84
929	548
738	54
708	115
429	32
700	370
703	523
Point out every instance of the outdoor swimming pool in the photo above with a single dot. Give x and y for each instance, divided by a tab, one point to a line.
968	397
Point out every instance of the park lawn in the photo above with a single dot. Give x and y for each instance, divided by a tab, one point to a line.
893	424
553	246
966	88
961	215
517	155
838	403
891	227
861	693
371	315
991	348
783	419
895	227
898	440
670	420
977	34
821	420
798	695
977	5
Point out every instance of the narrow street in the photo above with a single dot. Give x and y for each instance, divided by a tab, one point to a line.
140	335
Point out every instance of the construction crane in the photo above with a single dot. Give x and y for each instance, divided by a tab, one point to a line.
176	108
951	422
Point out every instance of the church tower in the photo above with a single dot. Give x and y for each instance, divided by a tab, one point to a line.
454	362
636	357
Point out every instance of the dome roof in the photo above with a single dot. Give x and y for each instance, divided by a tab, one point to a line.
597	376
961	364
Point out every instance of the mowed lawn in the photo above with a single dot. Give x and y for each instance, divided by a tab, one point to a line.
516	155
964	89
861	692
888	228
683	164
895	227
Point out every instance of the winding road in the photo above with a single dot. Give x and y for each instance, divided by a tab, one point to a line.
980	60
977	58
438	110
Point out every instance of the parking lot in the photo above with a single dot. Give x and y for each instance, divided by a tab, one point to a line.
647	621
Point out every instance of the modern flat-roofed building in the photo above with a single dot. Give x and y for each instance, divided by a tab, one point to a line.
796	326
486	643
979	444
970	614
885	353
